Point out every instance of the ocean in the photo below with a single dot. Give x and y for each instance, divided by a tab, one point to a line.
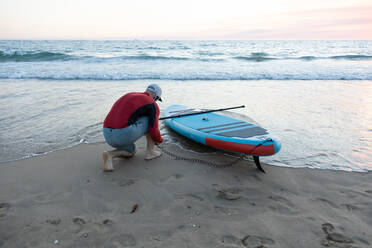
315	95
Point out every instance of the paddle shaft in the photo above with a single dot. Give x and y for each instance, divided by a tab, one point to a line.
201	112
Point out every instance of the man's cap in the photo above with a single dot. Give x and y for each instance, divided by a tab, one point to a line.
154	88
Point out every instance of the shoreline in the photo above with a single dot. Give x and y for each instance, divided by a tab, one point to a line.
8	163
64	199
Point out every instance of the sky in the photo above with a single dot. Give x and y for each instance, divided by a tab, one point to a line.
187	19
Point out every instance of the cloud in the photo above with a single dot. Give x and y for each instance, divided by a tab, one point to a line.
337	23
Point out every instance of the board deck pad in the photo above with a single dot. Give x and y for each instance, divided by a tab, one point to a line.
222	132
245	133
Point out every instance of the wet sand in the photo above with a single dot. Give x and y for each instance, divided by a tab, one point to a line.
63	199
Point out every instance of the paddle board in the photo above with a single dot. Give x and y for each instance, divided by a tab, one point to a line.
222	132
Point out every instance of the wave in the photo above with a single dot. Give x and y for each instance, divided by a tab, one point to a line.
259	54
161	48
49	56
208	53
254	58
179	47
33	57
153	48
307	58
147	57
164	58
260	57
338	57
204	56
353	57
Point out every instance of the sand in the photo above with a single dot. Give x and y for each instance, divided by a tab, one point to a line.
63	199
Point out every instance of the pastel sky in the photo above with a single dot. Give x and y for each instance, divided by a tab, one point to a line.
186	19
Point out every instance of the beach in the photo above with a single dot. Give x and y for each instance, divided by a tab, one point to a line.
63	199
261	113
315	96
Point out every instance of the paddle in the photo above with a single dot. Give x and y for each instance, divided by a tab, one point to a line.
200	112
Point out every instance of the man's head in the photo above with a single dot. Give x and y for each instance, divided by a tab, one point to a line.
155	90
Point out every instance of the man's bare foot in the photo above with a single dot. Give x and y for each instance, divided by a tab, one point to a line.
107	162
126	154
152	154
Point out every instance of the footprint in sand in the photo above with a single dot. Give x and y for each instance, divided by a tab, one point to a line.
107	222
78	220
350	207
335	239
126	182
194	197
79	224
56	221
282	205
327	228
231	194
4	208
252	241
326	202
124	240
103	227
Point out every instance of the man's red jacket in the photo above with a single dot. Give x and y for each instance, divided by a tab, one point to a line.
128	108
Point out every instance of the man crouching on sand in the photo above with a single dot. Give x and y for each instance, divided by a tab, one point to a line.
132	116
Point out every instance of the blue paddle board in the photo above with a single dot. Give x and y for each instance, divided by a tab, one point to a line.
222	132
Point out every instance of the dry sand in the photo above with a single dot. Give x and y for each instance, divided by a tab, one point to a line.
64	200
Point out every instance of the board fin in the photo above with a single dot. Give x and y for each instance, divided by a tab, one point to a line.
257	162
